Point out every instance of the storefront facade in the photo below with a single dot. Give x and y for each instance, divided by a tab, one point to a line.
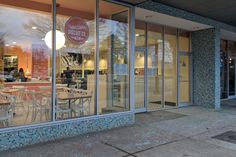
70	67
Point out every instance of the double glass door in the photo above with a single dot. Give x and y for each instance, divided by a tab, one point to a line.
162	73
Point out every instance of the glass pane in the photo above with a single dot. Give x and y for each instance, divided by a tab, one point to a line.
139	79
231	76
155	51
139	64
25	64
113	53
170	79
184	79
184	41
75	44
224	70
232	55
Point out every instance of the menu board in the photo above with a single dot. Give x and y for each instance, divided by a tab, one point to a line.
40	55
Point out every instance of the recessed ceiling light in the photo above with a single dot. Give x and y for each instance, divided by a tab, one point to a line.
43	39
137	35
13	42
7	45
34	27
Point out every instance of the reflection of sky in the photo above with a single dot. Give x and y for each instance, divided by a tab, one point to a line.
17	25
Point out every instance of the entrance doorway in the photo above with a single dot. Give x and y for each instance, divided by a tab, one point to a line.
162	73
228	69
184	78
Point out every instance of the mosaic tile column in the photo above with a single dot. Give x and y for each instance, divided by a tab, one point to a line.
206	67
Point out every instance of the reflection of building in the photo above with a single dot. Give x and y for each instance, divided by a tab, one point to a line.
128	64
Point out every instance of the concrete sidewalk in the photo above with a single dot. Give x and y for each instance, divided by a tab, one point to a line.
174	133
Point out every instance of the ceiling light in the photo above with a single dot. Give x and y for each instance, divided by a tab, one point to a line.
7	45
159	41
137	35
13	42
34	27
60	39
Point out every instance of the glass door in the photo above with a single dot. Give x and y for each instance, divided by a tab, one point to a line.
139	77
232	77
155	67
184	78
140	67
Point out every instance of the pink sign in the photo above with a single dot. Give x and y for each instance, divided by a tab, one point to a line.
77	30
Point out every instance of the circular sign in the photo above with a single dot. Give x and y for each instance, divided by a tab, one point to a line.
77	30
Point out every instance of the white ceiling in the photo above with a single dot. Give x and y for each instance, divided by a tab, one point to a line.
227	35
158	18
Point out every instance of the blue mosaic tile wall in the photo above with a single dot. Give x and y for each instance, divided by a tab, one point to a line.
23	137
206	67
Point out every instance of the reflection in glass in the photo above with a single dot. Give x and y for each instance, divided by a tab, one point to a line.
25	65
154	73
184	79
75	82
224	70
113	53
231	76
170	67
139	64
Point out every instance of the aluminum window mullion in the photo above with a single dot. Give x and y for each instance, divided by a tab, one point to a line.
54	55
96	101
163	68
178	70
146	69
131	57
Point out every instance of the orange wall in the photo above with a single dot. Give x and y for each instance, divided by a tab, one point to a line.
22	57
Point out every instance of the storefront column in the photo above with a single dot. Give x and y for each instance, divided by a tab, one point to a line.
206	68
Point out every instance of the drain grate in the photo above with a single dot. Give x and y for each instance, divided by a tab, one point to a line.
229	136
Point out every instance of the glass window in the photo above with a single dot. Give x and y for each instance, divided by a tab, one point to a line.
155	58
75	82
139	69
170	67
184	41
25	63
224	69
113	53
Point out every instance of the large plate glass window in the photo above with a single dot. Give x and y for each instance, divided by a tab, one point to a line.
25	63
113	58
75	59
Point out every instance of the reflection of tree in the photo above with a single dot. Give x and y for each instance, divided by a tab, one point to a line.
44	24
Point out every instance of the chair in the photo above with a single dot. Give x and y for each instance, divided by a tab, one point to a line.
21	98
40	106
62	109
82	105
6	111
